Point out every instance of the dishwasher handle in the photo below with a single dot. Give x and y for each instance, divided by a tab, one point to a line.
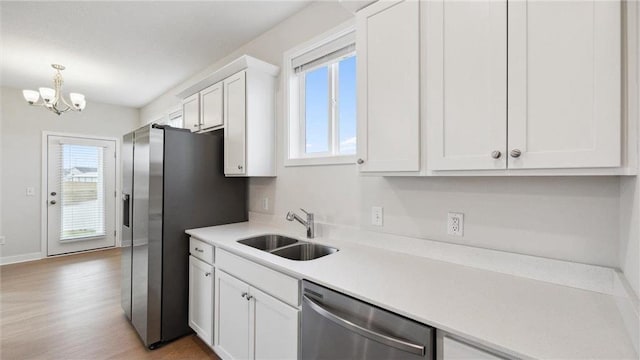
388	340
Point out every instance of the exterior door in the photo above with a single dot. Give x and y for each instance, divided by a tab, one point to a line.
81	194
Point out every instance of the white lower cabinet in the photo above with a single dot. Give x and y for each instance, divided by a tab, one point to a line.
251	324
201	287
452	349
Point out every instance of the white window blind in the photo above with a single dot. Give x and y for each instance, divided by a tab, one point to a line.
331	51
82	192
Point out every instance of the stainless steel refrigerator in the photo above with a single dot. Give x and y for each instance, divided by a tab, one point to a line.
173	180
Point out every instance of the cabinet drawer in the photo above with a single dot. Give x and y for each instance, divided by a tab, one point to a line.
201	250
276	284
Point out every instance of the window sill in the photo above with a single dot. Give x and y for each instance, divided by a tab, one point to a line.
319	161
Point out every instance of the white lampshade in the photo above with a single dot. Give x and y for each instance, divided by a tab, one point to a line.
47	94
77	99
31	96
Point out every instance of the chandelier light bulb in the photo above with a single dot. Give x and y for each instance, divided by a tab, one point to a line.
31	96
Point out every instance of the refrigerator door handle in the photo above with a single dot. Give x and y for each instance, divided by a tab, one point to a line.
126	216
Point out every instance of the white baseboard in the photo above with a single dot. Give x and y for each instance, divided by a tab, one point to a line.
5	260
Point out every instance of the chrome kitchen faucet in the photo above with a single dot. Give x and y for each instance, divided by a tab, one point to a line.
308	223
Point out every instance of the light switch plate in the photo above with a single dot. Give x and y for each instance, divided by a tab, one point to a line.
377	216
31	191
455	224
265	203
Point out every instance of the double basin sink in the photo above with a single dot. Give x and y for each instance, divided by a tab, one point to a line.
288	248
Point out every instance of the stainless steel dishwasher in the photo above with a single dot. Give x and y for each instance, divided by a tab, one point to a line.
337	326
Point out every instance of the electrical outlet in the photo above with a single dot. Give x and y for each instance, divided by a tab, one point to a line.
31	191
376	216
455	224
265	203
2	242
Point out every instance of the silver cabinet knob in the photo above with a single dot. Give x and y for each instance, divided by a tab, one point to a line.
244	294
239	167
196	125
207	274
52	202
496	154
199	250
515	153
360	161
249	297
53	193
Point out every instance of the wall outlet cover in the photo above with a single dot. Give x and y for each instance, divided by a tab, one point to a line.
265	203
31	191
455	224
377	216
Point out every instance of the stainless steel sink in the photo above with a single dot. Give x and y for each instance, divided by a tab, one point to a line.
304	251
268	242
288	248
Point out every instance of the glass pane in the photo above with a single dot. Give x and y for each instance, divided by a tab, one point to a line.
317	110
82	192
347	105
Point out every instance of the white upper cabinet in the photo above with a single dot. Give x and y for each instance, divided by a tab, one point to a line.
466	93
539	92
241	98
211	107
564	84
191	112
388	76
235	115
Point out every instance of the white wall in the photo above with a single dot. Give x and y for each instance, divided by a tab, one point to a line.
570	218
21	130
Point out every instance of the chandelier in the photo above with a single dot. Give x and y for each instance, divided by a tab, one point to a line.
52	99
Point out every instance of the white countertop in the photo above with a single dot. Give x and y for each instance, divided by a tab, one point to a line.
519	316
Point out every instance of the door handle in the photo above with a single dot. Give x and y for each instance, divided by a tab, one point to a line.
388	340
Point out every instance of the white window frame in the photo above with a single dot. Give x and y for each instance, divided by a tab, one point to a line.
294	109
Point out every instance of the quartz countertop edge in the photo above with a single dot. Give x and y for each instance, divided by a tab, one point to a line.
521	317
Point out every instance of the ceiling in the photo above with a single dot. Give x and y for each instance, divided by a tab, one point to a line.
126	53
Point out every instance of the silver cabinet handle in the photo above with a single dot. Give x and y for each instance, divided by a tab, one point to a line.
388	340
515	153
360	161
239	167
496	154
53	193
196	125
244	294
52	202
249	297
207	274
199	250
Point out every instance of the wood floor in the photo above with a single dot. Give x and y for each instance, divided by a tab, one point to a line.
69	308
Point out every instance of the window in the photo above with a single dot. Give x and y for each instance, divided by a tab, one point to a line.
322	100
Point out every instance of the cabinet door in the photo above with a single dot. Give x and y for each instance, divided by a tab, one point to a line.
271	314
564	84
235	122
211	106
232	316
465	84
191	112
201	286
388	69
456	350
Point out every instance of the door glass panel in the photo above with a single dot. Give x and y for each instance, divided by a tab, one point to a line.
82	192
